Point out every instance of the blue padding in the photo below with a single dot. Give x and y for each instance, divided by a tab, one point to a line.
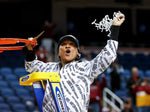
39	94
59	97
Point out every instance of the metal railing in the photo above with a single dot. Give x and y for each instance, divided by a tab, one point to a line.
113	100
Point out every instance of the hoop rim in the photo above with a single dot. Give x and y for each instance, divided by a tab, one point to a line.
4	41
7	41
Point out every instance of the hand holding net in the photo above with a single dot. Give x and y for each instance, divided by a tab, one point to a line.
11	41
106	23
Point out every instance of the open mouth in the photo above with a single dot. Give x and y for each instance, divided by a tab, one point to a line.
68	51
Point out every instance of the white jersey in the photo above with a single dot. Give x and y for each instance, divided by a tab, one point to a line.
76	78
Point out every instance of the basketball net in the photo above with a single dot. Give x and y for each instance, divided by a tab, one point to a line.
105	23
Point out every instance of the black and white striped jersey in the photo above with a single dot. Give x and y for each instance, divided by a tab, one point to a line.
76	78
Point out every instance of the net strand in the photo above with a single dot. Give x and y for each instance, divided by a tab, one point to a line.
105	23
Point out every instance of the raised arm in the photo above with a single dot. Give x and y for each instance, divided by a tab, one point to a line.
31	62
109	53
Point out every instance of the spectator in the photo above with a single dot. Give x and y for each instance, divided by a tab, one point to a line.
132	81
113	110
127	105
47	41
87	56
96	94
115	71
142	92
105	109
42	54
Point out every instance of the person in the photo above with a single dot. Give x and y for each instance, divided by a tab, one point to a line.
76	76
142	92
105	109
47	41
96	90
127	105
132	81
42	54
115	71
87	56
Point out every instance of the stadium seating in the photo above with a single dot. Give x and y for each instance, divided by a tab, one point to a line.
5	92
12	100
18	107
125	59
121	93
21	92
6	71
11	69
4	107
141	73
126	73
14	84
1	78
147	73
123	86
20	71
27	98
3	84
13	97
11	77
2	100
29	102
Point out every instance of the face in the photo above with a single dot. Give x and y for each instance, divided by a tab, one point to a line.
68	51
134	71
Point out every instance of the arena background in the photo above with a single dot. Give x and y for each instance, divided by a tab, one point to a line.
25	18
21	19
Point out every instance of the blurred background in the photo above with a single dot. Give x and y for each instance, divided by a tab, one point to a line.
21	19
27	18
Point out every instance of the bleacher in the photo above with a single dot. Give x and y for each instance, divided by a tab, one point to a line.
128	59
13	97
21	98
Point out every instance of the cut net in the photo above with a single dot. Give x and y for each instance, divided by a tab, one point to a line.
105	24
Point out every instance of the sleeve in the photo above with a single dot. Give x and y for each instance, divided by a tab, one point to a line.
35	66
31	62
102	61
30	54
107	55
147	89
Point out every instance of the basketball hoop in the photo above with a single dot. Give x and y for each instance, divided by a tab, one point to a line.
11	41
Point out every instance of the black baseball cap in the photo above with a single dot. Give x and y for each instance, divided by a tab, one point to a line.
71	38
